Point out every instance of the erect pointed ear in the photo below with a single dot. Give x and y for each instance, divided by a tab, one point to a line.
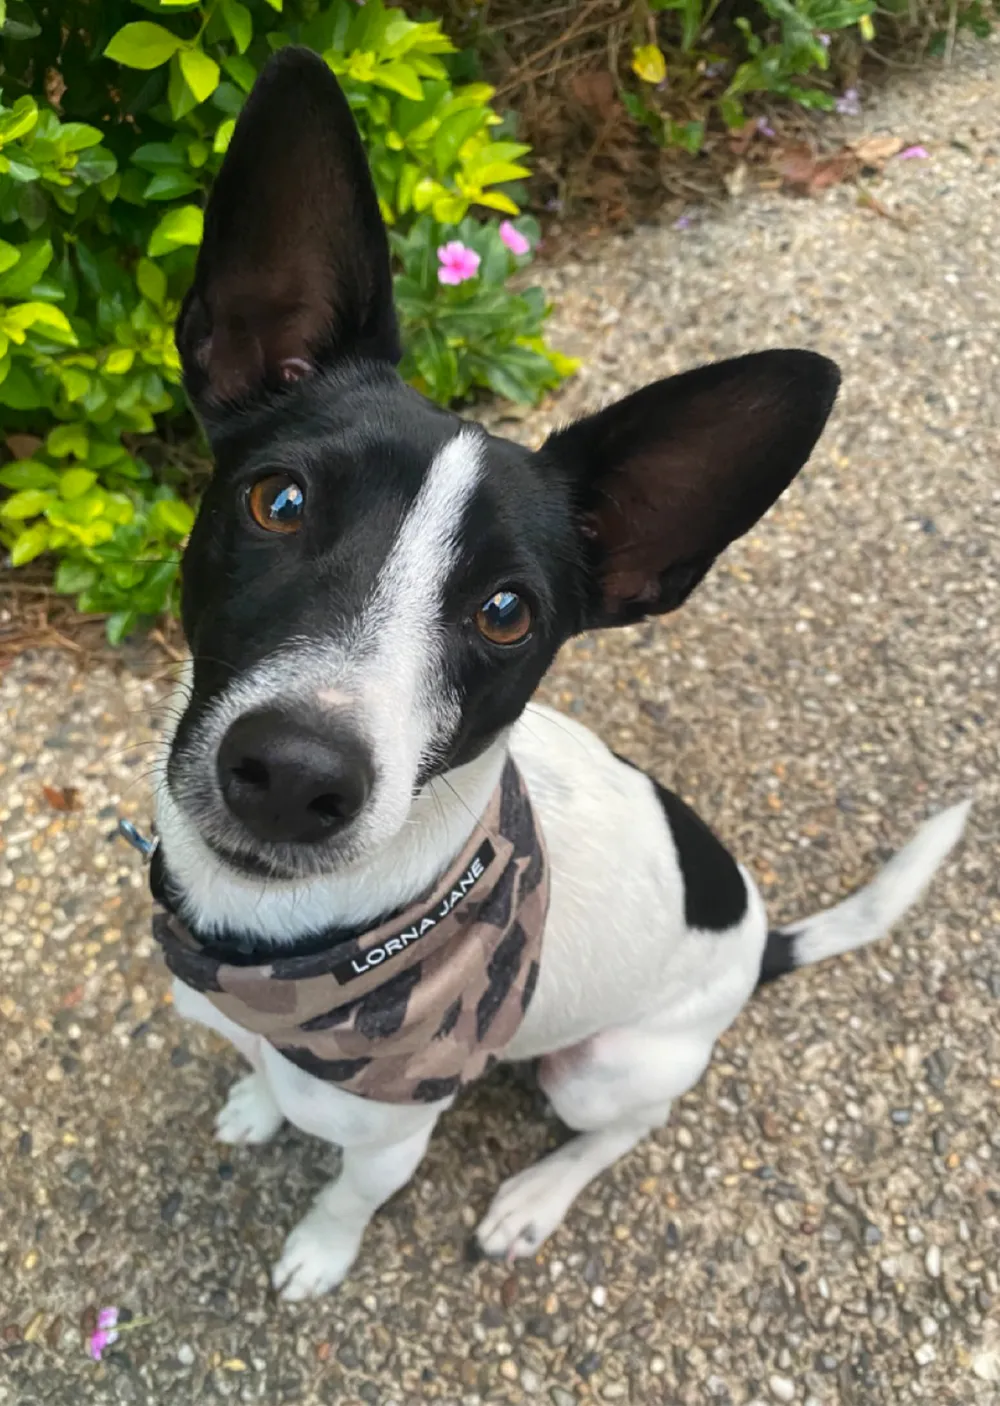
293	270
668	477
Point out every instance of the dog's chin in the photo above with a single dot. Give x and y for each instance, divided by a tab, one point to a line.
279	863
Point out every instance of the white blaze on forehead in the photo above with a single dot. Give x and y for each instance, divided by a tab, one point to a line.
411	583
404	703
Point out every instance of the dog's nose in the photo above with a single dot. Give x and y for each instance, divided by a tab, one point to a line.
288	780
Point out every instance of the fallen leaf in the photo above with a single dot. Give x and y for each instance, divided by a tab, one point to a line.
23	446
34	1329
508	1291
596	90
72	998
234	1364
62	797
874	151
323	1352
807	172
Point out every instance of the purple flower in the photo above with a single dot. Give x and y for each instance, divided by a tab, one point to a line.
764	127
682	222
458	262
824	39
515	241
914	153
849	105
106	1333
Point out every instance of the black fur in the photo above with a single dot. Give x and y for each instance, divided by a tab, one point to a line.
715	896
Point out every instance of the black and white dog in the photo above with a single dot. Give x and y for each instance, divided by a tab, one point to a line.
372	591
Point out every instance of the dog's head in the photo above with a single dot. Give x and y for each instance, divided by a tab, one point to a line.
374	587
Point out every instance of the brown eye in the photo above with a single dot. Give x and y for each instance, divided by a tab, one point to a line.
277	503
504	619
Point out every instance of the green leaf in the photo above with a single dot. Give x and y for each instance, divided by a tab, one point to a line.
76	136
241	71
19	121
453	132
34	258
30	544
53	320
74	576
65	440
200	72
9	255
224	135
400	78
74	483
435	361
179	227
119	625
172	516
158	156
179	95
152	281
143	45
28	473
168	185
239	23
29	502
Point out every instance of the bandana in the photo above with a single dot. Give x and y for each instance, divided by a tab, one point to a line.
414	1009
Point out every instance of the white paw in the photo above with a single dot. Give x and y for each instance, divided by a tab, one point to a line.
316	1257
250	1114
526	1210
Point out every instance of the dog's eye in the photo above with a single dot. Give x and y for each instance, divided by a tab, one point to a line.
504	619
277	503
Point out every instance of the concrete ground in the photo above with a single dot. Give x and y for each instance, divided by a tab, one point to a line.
820	1222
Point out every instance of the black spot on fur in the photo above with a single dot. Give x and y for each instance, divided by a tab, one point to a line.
430	1090
336	1071
779	957
382	1011
715	896
449	1020
530	982
502	972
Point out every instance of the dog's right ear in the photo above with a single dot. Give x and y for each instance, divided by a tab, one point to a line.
293	272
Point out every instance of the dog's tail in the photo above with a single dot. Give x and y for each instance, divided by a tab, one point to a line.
871	912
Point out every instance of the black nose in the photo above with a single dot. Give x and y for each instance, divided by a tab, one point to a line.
290	781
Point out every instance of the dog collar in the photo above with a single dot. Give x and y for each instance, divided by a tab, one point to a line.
412	1010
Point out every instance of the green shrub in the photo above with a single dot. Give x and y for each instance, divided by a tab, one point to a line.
100	218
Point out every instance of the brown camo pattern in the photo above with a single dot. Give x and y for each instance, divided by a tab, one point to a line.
429	1019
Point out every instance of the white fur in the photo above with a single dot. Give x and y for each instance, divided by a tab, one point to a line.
629	1003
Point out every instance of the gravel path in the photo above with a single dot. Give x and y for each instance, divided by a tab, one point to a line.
821	1221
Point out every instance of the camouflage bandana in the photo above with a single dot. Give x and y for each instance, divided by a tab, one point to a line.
414	1009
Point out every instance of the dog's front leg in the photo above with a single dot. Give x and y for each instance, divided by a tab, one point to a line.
382	1144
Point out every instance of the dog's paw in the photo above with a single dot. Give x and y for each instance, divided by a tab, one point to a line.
316	1257
250	1114
526	1210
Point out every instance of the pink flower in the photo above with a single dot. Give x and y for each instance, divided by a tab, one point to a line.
106	1333
914	153
458	262
515	241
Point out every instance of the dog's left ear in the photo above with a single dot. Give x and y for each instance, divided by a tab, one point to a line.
668	477
293	271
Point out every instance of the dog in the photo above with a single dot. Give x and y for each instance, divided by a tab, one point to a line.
380	867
